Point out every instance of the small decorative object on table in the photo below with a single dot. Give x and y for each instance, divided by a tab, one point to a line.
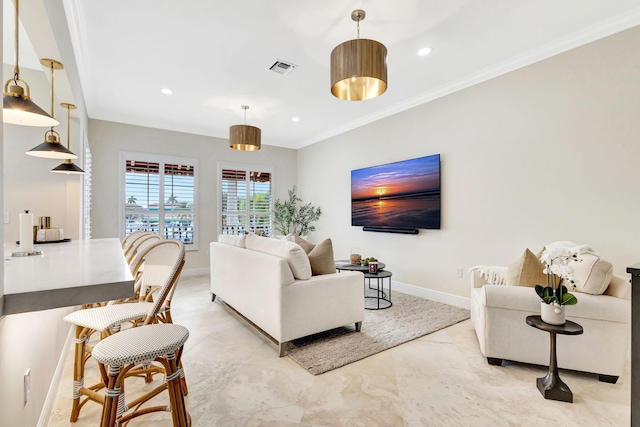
373	267
555	295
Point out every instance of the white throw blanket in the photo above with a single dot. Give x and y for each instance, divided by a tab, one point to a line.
495	275
579	249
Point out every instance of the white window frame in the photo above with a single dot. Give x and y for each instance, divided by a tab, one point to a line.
247	168
162	160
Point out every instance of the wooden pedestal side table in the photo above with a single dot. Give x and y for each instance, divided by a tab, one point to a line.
551	386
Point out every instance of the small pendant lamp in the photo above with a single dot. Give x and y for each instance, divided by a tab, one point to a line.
358	67
51	147
244	137
17	106
68	166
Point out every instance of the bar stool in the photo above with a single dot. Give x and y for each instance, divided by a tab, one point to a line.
119	353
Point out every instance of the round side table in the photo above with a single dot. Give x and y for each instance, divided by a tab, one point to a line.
551	386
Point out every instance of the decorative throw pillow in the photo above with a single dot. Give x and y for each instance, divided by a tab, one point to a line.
526	271
592	274
306	245
321	258
290	251
231	239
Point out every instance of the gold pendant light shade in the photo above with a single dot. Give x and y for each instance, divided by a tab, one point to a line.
359	70
244	137
358	67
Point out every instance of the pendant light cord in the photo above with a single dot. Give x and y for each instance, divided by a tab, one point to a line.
52	111
16	69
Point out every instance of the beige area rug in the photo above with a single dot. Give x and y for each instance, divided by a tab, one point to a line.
408	318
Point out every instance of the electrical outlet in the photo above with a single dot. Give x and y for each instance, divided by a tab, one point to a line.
27	384
459	272
6	217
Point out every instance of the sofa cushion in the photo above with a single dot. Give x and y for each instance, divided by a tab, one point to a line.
231	239
290	251
526	271
592	274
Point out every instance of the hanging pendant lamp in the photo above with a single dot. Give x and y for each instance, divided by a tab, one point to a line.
68	166
358	67
244	137
17	106
51	147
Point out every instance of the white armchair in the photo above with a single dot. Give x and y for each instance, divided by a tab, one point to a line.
498	314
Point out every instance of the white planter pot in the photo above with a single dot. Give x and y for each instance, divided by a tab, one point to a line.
552	314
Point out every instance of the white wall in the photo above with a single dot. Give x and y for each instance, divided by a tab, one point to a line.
549	152
107	139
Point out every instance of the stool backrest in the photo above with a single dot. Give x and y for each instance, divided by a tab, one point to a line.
130	238
130	254
162	264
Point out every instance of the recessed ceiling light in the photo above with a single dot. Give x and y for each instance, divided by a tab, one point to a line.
295	119
424	51
166	91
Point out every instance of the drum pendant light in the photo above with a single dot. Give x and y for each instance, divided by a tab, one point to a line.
244	137
18	108
51	147
358	67
68	166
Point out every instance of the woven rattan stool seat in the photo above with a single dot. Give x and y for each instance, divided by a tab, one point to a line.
142	344
101	318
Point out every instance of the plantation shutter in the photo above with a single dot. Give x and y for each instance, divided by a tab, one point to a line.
246	201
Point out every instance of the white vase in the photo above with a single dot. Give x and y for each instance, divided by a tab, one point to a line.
552	314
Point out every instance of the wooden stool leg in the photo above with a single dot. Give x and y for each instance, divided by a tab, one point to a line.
176	396
112	395
78	371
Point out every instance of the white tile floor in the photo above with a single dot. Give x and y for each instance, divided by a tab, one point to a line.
442	379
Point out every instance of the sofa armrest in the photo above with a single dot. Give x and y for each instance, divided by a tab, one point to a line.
619	287
477	281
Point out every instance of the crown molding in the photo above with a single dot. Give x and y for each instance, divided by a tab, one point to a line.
596	32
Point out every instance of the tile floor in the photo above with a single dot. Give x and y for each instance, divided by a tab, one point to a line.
442	379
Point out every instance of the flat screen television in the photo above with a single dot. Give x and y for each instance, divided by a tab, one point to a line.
403	195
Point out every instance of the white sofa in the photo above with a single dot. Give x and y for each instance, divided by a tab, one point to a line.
498	315
256	278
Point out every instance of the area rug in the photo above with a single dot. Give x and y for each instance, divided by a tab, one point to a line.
408	318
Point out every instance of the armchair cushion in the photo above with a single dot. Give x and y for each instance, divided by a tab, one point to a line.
592	274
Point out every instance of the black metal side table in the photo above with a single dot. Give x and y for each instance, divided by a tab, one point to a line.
551	386
379	294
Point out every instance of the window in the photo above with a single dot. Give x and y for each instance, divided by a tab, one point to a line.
160	196
246	199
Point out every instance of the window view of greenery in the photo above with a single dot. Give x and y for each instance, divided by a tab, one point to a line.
238	216
172	217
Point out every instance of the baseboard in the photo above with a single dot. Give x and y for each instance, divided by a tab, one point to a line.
49	401
195	272
442	297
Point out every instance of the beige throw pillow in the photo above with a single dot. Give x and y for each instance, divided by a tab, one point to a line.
592	274
307	246
526	271
321	258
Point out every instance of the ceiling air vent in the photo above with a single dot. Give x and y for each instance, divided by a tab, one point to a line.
282	67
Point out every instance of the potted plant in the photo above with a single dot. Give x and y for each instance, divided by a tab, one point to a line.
555	296
290	217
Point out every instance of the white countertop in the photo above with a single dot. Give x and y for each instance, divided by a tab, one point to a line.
66	274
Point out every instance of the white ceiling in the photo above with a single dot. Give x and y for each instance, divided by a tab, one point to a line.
215	56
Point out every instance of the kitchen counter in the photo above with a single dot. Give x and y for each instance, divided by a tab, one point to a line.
66	274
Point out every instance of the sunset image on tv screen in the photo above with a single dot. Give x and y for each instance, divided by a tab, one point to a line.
403	194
